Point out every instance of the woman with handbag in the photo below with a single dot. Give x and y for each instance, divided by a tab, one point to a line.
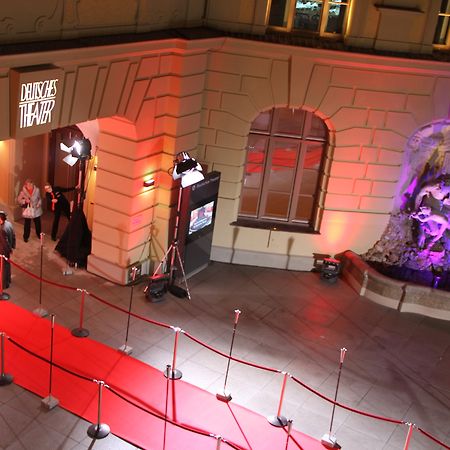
30	200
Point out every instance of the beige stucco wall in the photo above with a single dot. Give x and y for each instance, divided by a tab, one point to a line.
371	105
153	99
32	21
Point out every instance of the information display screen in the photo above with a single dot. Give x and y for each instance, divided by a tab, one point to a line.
201	217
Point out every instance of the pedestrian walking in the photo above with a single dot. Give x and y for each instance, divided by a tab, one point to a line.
30	200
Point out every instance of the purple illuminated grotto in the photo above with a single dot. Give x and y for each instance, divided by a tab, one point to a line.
416	242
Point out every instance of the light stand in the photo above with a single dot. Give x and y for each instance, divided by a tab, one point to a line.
189	171
75	243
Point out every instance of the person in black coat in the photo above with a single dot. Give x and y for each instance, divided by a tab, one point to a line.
57	203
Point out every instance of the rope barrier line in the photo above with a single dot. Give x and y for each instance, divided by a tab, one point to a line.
83	377
248	363
63	286
428	435
42	358
349	408
145	319
179	425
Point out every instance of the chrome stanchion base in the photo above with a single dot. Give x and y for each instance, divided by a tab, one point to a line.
49	402
5	379
329	441
40	312
98	431
224	396
4	296
126	349
80	332
174	374
277	421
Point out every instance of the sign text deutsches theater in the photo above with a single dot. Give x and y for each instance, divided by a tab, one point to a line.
37	101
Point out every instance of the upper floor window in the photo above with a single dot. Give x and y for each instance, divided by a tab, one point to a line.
285	153
442	35
325	17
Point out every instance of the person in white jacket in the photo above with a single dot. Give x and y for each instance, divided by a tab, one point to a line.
30	200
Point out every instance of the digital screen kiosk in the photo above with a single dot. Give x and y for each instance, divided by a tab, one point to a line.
196	224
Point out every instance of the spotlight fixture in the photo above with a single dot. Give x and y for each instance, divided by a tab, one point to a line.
188	169
149	183
80	150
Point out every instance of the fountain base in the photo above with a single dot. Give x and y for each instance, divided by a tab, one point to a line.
404	296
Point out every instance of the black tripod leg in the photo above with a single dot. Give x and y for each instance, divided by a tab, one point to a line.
183	272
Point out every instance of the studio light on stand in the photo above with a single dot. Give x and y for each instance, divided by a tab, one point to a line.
189	171
75	243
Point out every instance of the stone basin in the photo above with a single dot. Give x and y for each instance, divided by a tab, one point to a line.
400	295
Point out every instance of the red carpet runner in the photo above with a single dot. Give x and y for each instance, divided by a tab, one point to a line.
135	381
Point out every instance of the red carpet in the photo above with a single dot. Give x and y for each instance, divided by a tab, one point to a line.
136	382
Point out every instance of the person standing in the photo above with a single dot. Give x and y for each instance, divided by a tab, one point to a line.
30	200
58	204
8	230
5	251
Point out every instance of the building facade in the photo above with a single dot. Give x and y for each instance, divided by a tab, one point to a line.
142	92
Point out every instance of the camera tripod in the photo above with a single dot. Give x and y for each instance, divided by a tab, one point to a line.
160	283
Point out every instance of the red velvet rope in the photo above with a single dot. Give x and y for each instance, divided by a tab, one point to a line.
428	435
36	277
179	425
83	377
248	363
349	408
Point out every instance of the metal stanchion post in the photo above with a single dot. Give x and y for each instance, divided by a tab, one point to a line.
408	436
40	311
174	374
5	378
328	440
3	295
80	331
125	348
219	442
224	396
279	420
168	370
50	402
99	430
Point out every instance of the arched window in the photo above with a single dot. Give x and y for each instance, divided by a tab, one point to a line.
285	153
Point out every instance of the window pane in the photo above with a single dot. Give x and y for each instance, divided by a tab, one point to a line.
249	202
281	179
442	30
336	16
307	15
313	156
262	122
277	206
317	128
254	168
278	13
309	182
289	121
304	208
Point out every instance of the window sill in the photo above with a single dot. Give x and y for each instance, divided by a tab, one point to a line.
262	225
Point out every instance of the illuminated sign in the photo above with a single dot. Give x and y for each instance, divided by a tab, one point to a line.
35	100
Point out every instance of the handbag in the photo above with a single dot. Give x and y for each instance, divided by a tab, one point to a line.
28	212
